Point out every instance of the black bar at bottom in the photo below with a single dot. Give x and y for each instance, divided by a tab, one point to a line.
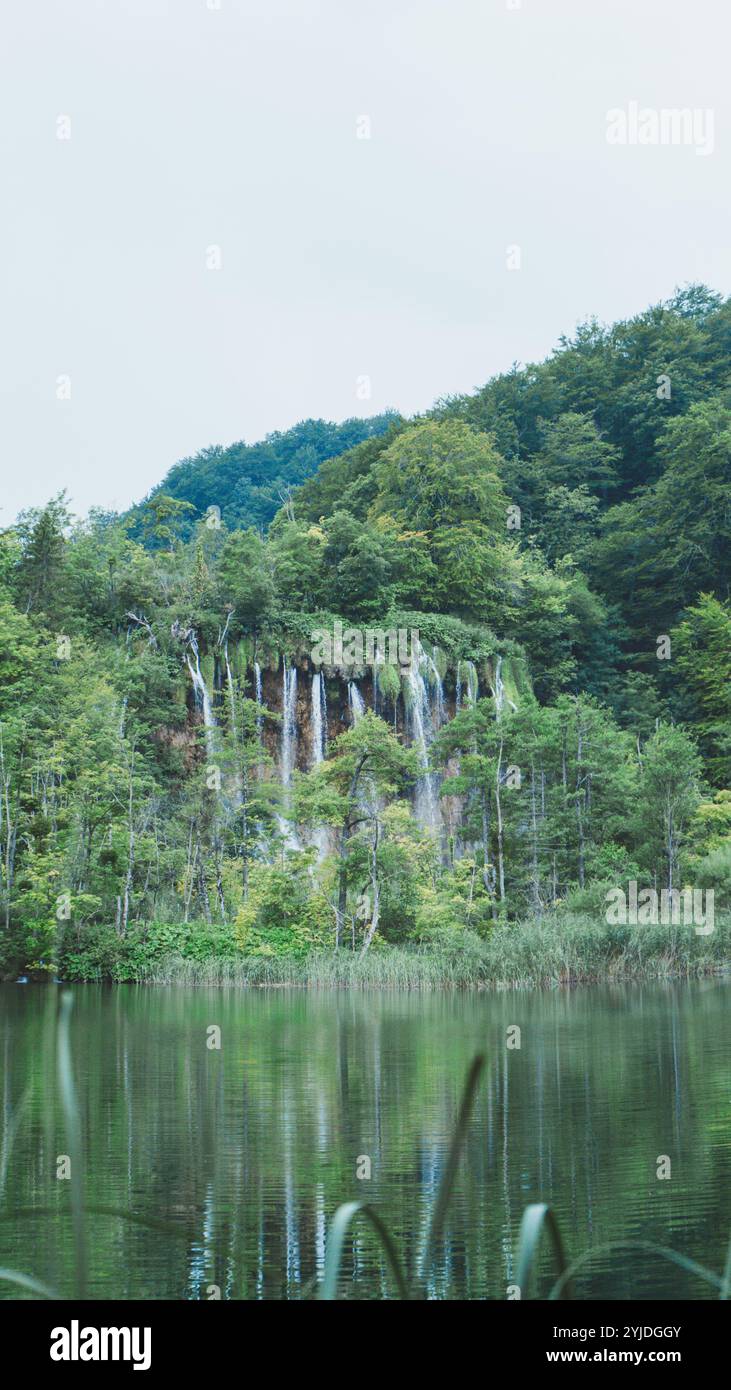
204	1338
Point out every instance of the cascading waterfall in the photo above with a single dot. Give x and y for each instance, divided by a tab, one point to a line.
318	726
289	743
356	702
203	699
473	684
259	698
289	721
467	690
427	801
499	691
437	688
426	713
319	718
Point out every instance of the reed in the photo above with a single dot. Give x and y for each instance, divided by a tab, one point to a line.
560	949
538	1221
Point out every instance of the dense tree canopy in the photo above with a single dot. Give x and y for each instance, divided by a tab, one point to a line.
169	754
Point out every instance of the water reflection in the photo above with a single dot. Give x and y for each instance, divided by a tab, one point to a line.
244	1153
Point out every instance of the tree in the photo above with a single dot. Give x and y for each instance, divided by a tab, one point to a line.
476	739
246	579
253	799
701	648
574	455
164	519
669	794
440	475
43	548
366	763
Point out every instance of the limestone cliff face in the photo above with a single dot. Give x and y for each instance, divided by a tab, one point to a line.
314	705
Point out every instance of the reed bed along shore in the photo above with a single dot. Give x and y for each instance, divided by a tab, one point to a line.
553	952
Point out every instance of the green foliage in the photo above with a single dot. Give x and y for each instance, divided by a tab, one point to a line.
281	917
142	781
247	481
702	654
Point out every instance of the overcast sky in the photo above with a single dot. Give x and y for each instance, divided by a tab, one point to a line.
342	257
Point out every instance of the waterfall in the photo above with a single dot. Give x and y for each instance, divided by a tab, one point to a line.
259	700
499	691
289	746
427	801
289	720
203	699
318	734
356	702
473	685
318	721
435	683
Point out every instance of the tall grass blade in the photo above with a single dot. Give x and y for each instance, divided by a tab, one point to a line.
24	1281
726	1286
444	1192
336	1239
537	1218
72	1124
10	1132
611	1246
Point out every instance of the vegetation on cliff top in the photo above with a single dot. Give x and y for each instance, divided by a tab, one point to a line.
170	754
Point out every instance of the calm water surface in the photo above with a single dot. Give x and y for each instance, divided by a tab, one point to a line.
246	1152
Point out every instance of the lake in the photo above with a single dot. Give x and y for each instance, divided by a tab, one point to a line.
243	1153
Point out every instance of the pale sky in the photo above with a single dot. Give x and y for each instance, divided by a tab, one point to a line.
236	127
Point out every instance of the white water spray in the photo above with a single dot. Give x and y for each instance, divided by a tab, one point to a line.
436	689
203	699
499	690
427	801
289	720
259	699
318	718
473	684
356	702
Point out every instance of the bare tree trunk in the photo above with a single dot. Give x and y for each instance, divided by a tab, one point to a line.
10	832
203	893
373	925
485	837
342	902
130	859
498	808
671	846
534	859
578	799
189	877
219	882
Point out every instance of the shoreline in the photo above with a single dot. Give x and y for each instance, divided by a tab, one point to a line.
560	951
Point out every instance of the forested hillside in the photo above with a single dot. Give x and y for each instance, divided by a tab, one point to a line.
249	482
184	773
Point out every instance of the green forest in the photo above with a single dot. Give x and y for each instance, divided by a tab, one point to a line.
185	791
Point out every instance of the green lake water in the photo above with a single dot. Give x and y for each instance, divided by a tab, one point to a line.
244	1153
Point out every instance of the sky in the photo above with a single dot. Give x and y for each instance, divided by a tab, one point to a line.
224	216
